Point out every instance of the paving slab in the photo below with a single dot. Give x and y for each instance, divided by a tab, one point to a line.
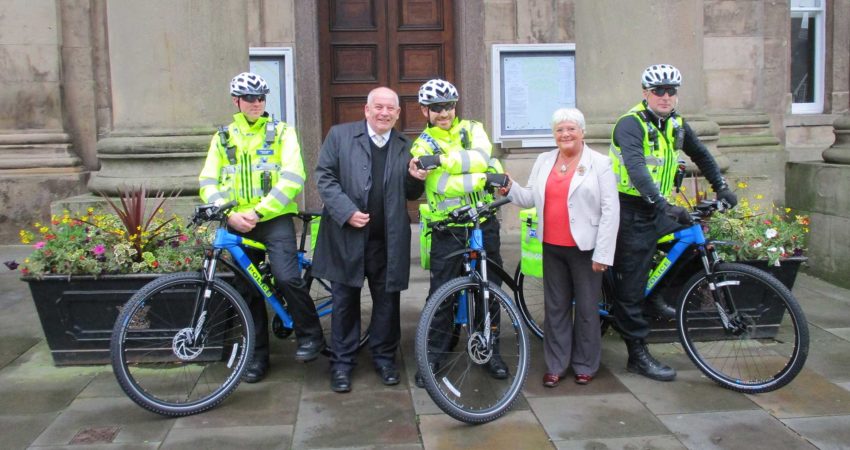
806	284
843	333
266	403
595	417
122	446
103	385
256	437
603	383
690	392
632	443
829	355
753	430
135	425
358	418
15	346
810	394
831	432
18	431
516	429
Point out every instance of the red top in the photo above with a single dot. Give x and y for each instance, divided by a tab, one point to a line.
556	216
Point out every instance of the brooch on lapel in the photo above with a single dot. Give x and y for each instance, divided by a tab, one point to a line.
581	169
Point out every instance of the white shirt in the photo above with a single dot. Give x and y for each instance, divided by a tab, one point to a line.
373	135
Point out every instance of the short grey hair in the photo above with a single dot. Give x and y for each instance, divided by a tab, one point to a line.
371	95
567	115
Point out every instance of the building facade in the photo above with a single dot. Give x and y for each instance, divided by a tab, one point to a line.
101	94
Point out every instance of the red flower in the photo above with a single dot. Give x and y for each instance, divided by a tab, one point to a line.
50	236
767	222
155	264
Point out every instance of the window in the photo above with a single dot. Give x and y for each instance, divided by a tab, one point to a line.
274	64
807	56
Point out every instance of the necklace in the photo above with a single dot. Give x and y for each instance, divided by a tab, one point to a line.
564	166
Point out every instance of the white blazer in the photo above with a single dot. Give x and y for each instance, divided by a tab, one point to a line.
593	203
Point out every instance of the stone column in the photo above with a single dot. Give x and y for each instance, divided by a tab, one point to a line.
170	63
612	54
37	164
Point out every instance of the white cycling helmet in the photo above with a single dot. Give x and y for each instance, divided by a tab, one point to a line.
437	91
661	75
247	83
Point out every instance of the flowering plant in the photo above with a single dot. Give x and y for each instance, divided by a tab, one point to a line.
758	231
130	240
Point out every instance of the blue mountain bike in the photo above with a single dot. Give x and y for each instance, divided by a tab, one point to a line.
181	343
738	324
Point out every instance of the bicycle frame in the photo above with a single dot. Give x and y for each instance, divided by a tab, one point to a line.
232	243
685	238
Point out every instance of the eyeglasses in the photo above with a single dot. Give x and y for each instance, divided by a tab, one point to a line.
661	90
440	107
254	98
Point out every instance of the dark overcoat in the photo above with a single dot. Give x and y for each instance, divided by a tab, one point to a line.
344	177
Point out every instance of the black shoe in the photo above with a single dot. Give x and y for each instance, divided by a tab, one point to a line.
309	350
256	370
340	381
641	362
388	373
497	368
657	307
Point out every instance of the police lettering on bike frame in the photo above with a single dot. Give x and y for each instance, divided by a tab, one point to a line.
464	323
181	343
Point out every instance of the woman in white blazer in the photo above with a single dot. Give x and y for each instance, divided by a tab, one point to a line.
575	193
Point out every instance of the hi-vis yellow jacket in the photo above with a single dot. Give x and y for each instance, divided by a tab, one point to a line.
465	159
259	165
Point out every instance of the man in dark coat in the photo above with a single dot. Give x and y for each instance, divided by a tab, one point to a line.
365	177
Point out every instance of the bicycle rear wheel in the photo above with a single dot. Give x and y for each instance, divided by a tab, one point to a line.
529	297
320	292
171	364
749	334
456	376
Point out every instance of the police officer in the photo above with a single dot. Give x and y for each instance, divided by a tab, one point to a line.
257	162
458	154
644	154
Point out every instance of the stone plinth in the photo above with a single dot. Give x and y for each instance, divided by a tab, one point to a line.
823	190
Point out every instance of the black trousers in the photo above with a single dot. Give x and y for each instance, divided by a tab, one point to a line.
640	228
385	324
278	235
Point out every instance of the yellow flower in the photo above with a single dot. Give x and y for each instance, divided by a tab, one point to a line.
43	230
759	196
742	184
788	210
37	225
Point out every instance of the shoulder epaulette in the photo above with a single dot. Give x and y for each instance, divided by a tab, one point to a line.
435	147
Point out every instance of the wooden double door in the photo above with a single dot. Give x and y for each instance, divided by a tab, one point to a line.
369	43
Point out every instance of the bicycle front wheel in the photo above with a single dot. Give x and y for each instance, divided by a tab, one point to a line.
746	331
173	360
320	292
457	376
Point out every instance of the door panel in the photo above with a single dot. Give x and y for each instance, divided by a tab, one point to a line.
369	43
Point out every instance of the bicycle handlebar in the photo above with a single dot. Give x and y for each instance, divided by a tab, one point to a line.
706	208
468	213
211	212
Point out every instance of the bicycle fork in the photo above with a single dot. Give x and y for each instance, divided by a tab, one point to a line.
724	304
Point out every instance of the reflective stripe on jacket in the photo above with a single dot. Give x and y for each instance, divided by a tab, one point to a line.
263	176
465	159
659	150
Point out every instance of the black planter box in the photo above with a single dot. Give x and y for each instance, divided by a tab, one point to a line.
786	272
77	313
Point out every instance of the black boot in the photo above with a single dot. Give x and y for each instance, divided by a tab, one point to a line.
657	307
642	363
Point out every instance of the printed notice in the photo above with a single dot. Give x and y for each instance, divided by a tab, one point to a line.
534	86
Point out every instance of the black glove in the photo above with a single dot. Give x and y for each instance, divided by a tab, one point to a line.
428	162
498	180
677	213
727	197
